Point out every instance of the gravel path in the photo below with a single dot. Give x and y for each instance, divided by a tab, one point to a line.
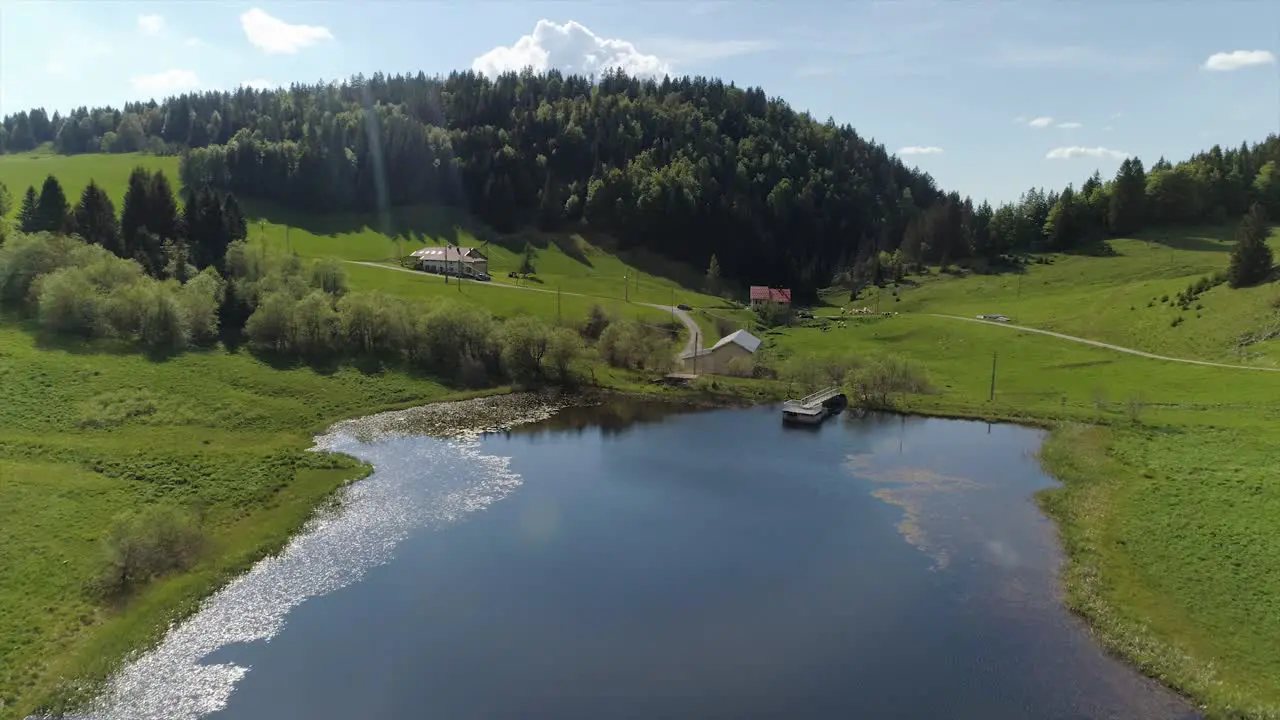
1108	346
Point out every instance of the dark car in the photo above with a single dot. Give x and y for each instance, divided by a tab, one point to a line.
682	306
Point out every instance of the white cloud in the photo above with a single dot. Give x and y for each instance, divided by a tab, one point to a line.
920	150
1041	122
150	24
571	48
1237	59
258	84
1070	125
168	81
1075	151
275	36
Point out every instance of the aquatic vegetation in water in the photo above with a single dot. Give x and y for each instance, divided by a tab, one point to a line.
910	489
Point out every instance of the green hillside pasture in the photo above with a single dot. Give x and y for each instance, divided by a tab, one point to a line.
564	260
86	434
74	172
1128	299
501	301
1168	520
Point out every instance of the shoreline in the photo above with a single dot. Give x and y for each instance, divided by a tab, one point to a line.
1068	464
70	695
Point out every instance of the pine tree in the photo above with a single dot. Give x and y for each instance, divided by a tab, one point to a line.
27	213
95	219
1251	258
206	228
52	212
133	214
237	229
526	264
713	276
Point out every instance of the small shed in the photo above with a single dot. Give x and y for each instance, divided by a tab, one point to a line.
715	359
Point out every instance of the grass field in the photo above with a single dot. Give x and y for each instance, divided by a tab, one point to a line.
1127	299
86	434
1167	511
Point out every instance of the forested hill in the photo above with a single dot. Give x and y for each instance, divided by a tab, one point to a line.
688	167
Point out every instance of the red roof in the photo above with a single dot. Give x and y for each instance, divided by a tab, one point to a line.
778	295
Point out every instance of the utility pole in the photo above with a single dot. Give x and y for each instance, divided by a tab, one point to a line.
626	288
673	306
459	252
696	342
992	396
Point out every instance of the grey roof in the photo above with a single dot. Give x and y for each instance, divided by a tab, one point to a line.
744	339
448	254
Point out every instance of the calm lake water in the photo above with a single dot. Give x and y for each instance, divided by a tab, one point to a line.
623	562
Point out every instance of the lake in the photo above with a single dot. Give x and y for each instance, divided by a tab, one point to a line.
626	561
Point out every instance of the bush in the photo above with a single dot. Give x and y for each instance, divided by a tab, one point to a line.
636	347
327	275
524	343
876	381
564	350
596	323
67	302
140	548
200	298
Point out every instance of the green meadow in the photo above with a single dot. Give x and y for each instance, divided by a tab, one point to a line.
1167	509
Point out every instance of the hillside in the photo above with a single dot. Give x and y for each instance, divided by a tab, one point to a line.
1130	297
584	273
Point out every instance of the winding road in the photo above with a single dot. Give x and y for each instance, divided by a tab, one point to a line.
695	333
1108	346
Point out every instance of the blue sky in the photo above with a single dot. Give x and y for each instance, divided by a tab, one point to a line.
994	97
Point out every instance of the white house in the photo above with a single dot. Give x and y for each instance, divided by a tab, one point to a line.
715	359
467	261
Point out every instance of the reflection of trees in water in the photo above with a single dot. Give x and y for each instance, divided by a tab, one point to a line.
612	417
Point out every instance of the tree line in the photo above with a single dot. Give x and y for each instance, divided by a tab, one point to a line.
692	168
166	241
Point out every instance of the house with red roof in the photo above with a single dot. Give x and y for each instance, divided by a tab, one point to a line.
761	294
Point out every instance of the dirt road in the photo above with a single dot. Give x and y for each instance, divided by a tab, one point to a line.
1108	346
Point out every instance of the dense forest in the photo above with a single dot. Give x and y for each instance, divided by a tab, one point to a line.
688	167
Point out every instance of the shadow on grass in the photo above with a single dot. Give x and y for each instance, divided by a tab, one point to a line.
418	223
1214	239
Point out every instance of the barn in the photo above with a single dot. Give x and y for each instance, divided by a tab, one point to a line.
715	359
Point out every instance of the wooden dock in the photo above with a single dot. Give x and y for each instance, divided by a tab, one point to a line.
814	407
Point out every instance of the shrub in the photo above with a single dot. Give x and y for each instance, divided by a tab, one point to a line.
564	350
327	275
596	322
524	342
877	380
200	298
67	302
139	548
